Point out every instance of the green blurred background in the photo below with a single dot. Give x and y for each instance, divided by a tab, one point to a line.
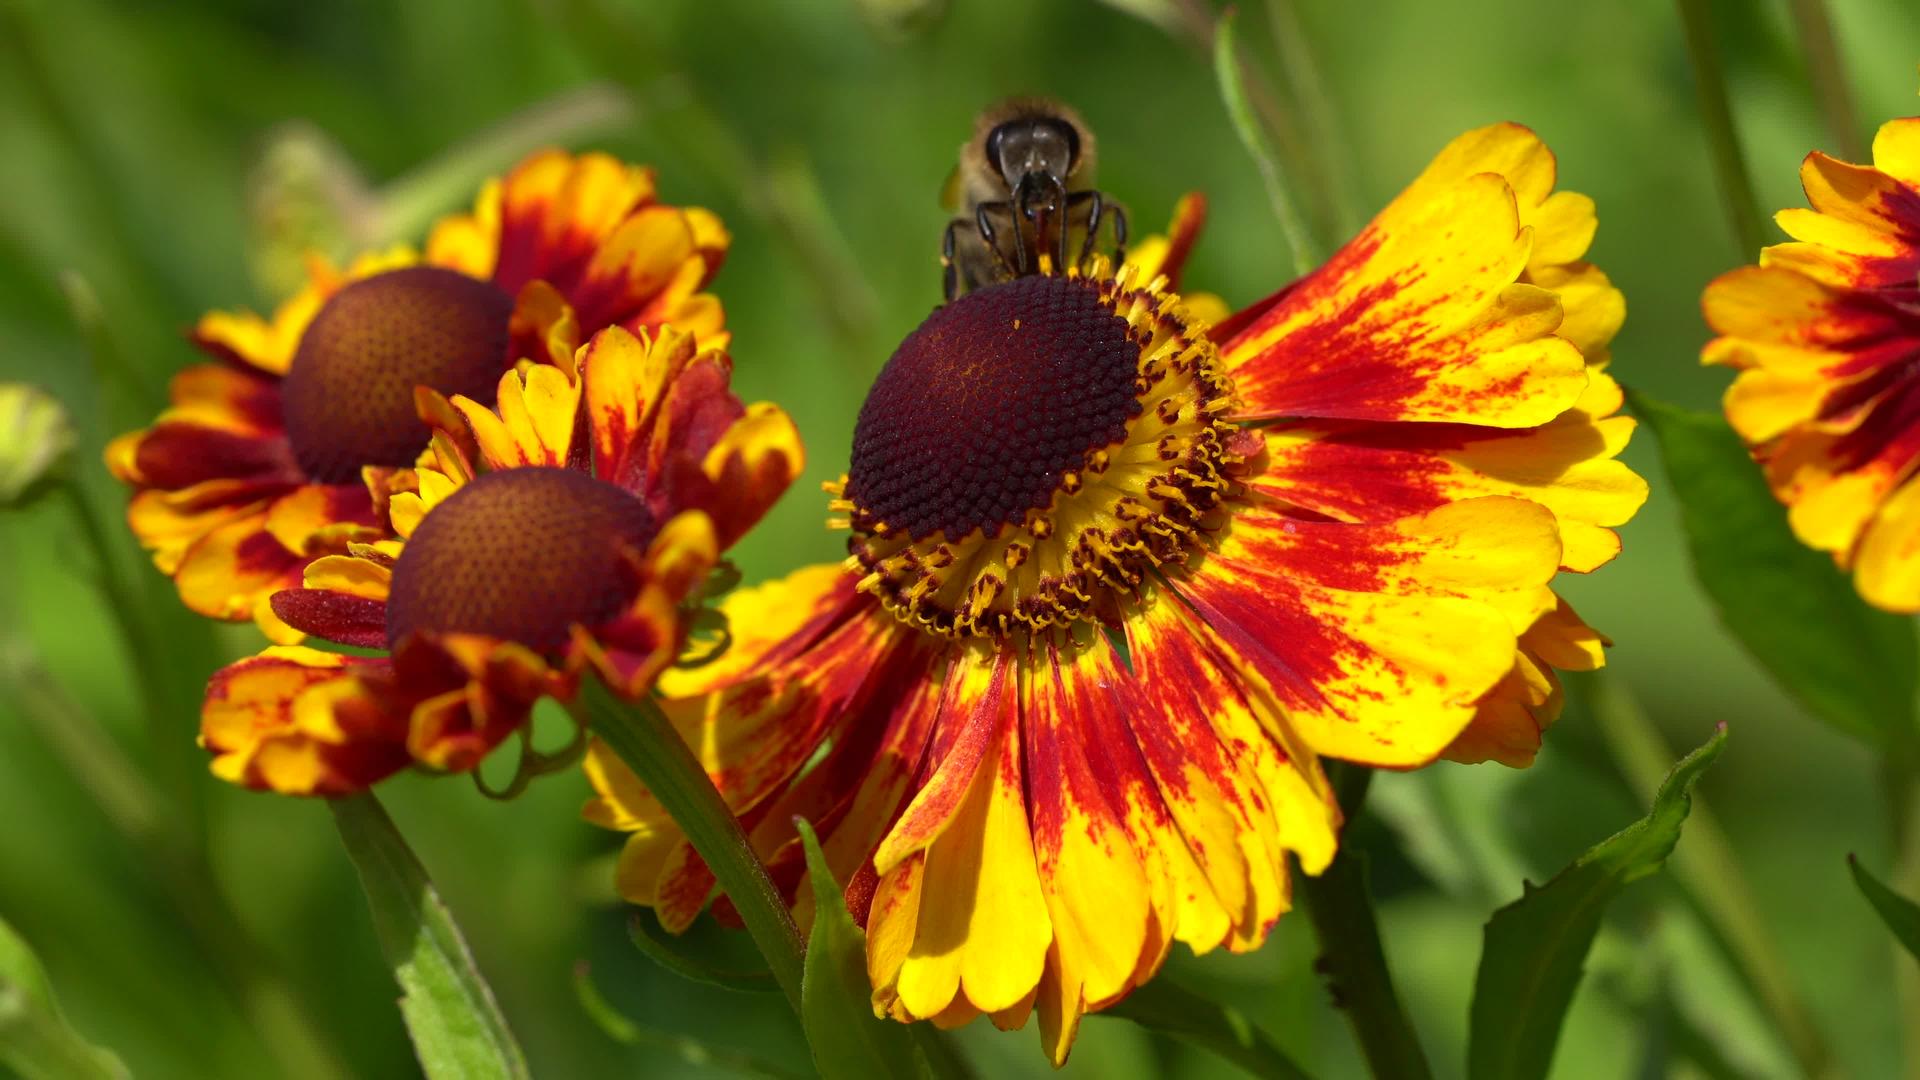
132	142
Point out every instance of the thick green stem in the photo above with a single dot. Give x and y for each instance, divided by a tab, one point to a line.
647	741
1716	114
1340	905
1829	77
1711	875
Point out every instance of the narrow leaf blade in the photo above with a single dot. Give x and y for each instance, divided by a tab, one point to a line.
35	1039
626	1031
1536	946
1901	915
1230	77
450	1012
1165	1006
1851	665
693	969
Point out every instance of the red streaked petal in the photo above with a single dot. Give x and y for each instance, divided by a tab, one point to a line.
1379	472
979	703
1377	640
1418	318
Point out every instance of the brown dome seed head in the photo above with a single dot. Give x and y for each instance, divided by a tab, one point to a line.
521	555
349	394
984	409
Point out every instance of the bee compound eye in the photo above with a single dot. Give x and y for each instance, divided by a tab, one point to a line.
995	139
1072	138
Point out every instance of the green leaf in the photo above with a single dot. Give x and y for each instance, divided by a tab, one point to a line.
1851	665
848	1041
1536	946
692	968
35	1040
1165	1006
1900	914
456	1027
623	1030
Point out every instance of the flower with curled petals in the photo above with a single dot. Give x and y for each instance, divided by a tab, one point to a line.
1825	335
285	447
563	529
1120	576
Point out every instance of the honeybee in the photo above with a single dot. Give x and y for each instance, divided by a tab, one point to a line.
1022	192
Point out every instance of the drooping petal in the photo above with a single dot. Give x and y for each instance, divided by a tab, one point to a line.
981	932
235	566
749	468
1510	720
630	651
1887	572
1804	349
626	381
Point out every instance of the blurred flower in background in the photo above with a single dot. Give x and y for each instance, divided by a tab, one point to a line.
535	547
287	447
36	438
1825	334
1119	579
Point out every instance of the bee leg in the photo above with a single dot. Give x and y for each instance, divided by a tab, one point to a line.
1096	207
1119	235
1022	196
1063	219
983	222
950	273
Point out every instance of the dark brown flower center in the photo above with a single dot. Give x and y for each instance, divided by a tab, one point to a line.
983	409
349	394
521	555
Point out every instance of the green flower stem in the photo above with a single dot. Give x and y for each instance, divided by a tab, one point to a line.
1340	905
1829	77
449	1009
647	741
1729	164
158	690
1900	769
160	836
1230	73
1711	874
1332	156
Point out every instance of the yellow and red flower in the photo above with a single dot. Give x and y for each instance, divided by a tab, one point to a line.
283	449
563	529
1825	334
1119	579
